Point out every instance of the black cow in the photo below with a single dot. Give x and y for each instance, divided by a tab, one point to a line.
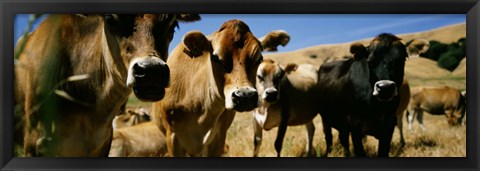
359	95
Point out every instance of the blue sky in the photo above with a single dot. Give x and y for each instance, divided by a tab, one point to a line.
311	29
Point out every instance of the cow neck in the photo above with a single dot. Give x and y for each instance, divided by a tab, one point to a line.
193	87
114	68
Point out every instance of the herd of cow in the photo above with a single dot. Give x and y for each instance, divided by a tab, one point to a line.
76	72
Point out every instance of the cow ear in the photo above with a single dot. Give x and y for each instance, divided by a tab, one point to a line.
359	51
188	17
196	44
271	41
290	68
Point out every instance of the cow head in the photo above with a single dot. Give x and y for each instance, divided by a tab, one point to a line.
235	55
269	78
142	42
131	117
386	62
416	47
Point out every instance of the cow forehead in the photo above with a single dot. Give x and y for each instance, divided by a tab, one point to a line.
234	36
268	68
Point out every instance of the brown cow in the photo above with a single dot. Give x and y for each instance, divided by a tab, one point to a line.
437	101
201	102
131	117
77	70
142	140
285	91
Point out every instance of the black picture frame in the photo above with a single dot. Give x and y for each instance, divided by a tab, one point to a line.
9	8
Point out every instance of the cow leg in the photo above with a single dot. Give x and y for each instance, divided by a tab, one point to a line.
282	129
217	147
357	139
410	116
257	137
385	139
343	135
420	119
400	128
310	132
327	130
177	149
117	148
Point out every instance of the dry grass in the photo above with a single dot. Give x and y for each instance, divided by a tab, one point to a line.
438	140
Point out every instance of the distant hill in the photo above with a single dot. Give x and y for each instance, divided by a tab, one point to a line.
416	68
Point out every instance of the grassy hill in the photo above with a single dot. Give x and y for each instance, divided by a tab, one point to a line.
420	71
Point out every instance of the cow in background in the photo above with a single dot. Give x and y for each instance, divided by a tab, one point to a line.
287	94
76	71
445	100
201	102
141	140
131	117
415	47
360	95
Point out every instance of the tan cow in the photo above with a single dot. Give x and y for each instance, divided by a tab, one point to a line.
285	91
201	102
131	117
437	101
417	46
76	71
141	140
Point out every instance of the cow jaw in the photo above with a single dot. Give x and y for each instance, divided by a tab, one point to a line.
148	77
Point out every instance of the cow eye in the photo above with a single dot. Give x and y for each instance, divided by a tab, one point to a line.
215	59
260	78
260	60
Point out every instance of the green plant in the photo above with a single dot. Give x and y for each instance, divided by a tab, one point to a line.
448	61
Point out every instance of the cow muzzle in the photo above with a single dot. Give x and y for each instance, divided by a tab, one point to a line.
385	90
270	95
148	77
243	99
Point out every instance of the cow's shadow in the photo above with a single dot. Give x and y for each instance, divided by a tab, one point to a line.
397	149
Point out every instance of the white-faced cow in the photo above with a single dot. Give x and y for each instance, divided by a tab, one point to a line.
286	94
415	47
359	95
201	102
446	101
76	71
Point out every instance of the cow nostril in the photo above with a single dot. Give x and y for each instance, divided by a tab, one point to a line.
238	94
271	92
138	70
244	94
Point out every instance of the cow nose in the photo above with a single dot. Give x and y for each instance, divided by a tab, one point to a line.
149	77
386	86
151	72
245	99
385	90
271	95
